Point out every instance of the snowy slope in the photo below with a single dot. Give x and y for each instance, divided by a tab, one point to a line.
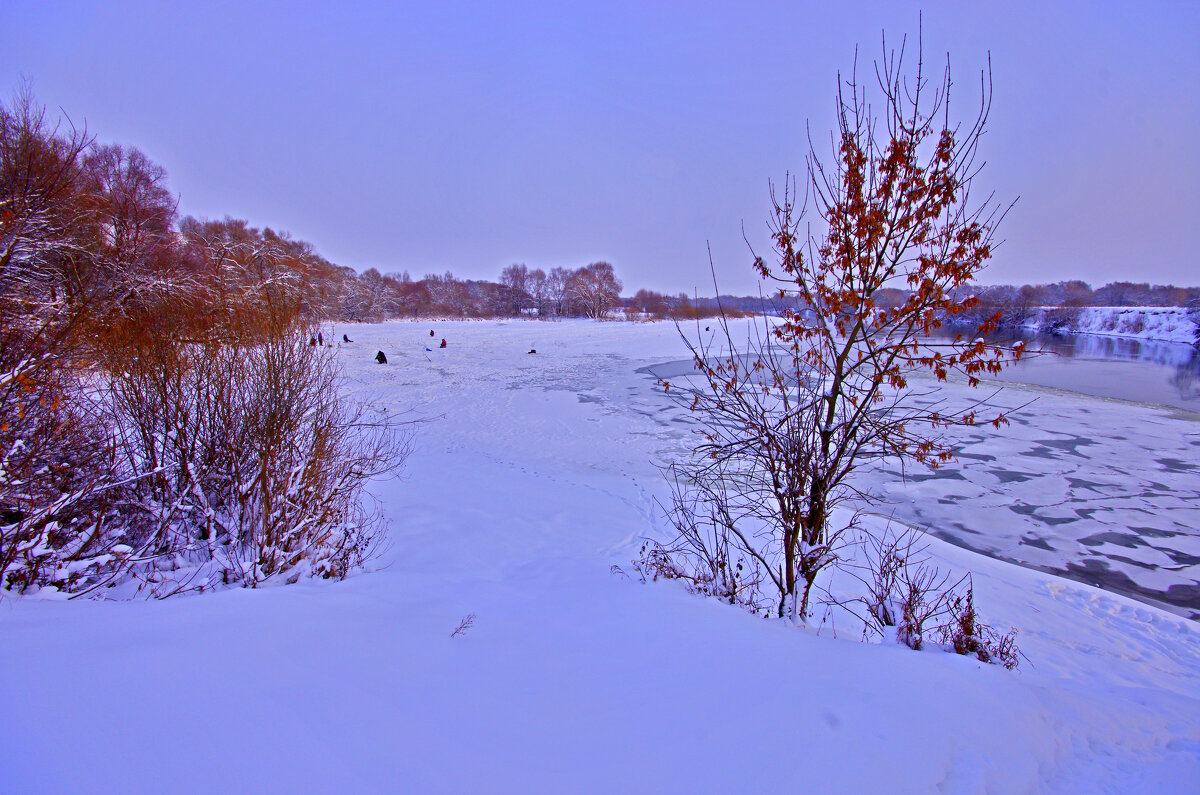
1169	324
534	474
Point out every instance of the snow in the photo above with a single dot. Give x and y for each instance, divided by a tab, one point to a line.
1168	324
533	474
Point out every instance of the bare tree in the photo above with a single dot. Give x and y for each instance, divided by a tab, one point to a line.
746	487
45	223
651	303
516	280
556	289
136	211
515	276
594	290
447	293
538	290
53	455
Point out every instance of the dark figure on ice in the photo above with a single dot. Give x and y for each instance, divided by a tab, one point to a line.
320	340
312	341
346	338
431	332
443	345
533	350
379	357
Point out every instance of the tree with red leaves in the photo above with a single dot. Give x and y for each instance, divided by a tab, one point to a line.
892	238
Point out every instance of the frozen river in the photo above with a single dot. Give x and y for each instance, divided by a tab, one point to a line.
1097	480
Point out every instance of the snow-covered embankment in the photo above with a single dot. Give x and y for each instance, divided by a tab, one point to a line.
1166	323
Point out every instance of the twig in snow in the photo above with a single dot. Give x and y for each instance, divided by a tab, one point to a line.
467	622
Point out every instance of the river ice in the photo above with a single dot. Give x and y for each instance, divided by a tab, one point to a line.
1103	491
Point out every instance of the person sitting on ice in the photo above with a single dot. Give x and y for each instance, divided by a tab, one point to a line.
346	338
443	345
431	332
379	357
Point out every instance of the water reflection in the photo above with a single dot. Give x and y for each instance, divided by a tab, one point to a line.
1147	371
1094	346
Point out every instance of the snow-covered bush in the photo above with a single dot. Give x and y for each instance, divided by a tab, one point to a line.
56	486
908	600
194	466
161	413
59	487
254	463
967	635
736	583
905	595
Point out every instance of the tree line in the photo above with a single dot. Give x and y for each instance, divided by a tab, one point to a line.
95	226
590	291
106	213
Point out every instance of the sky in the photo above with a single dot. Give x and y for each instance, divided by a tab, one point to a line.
470	136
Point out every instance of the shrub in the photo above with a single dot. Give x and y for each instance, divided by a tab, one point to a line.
160	414
194	466
255	463
58	480
736	583
906	597
911	601
968	636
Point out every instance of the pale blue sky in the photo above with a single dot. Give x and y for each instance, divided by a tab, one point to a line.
468	136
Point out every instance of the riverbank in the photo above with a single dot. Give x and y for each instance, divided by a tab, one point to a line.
1163	323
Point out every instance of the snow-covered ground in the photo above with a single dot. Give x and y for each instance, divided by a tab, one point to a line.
1167	323
532	476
